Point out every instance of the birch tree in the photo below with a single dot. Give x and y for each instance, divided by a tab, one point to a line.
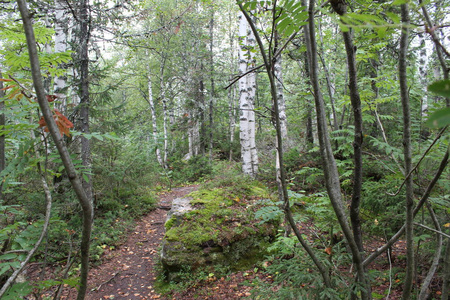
247	92
151	103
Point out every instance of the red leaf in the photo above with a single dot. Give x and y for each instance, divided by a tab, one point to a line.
5	80
8	87
51	98
62	122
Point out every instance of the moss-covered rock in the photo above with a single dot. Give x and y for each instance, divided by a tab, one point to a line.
219	231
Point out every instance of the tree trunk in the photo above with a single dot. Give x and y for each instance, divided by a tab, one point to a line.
247	93
404	95
2	136
84	36
328	161
358	139
84	200
212	92
61	32
446	273
282	188
151	103
330	85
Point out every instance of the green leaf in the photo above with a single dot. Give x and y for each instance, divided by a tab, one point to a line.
442	88
400	2
440	118
8	256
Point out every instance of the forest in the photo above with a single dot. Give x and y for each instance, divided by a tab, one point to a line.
285	149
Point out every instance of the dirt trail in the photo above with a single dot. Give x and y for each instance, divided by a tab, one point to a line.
129	271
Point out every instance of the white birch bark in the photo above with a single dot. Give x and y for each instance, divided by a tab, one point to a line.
151	103
278	72
61	23
247	90
423	71
162	91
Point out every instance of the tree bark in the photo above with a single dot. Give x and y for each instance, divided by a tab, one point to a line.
328	161
247	92
358	139
83	121
212	92
2	136
151	103
404	95
62	149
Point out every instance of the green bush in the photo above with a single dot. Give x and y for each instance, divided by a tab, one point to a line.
192	170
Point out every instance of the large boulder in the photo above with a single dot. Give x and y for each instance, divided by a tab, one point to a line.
215	228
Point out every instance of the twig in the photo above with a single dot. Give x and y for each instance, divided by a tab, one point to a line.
431	229
106	282
424	291
390	274
418	163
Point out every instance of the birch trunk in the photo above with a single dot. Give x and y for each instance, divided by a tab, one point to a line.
60	86
278	73
247	94
151	103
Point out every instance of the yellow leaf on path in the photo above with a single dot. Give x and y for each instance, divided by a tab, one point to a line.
447	225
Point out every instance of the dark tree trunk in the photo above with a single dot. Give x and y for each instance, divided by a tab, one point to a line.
404	95
83	122
358	140
85	202
2	136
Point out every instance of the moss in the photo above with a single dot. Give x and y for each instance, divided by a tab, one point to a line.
221	229
169	223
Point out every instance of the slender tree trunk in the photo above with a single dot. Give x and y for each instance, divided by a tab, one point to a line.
424	290
151	103
278	76
162	96
328	161
446	273
282	180
165	131
61	23
212	92
330	86
83	122
358	131
246	100
231	117
2	136
60	86
84	200
404	94
201	95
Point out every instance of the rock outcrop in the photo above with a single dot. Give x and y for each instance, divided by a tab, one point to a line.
215	229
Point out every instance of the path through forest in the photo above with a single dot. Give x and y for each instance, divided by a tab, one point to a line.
128	272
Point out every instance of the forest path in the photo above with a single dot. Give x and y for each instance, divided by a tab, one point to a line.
128	271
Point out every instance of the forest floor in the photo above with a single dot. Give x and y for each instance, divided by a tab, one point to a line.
130	270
